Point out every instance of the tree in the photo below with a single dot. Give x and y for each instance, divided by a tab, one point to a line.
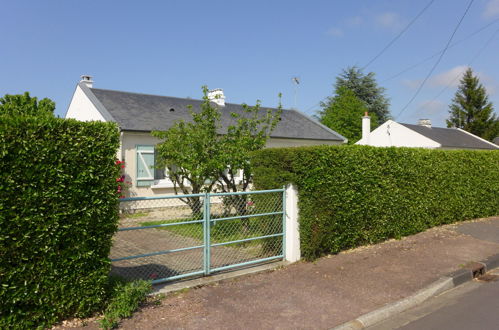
366	89
471	109
344	113
199	159
25	105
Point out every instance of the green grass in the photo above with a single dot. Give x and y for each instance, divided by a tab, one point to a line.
136	215
125	299
221	231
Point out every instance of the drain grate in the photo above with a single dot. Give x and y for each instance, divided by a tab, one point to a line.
488	278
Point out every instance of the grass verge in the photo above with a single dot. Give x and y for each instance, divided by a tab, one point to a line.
125	298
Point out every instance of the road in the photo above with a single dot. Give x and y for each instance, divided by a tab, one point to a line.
474	305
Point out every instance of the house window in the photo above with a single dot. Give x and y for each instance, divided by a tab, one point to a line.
148	173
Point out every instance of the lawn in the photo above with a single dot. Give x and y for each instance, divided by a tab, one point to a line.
221	231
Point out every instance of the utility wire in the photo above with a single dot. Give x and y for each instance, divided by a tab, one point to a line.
438	60
399	35
480	51
440	51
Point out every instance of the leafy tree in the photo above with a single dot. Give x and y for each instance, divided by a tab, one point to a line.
25	105
471	109
199	159
344	113
366	89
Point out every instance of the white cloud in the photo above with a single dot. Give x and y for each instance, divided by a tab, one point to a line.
389	20
412	84
335	32
354	21
448	78
452	79
431	107
491	9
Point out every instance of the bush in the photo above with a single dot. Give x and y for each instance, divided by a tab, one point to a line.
126	297
58	213
355	195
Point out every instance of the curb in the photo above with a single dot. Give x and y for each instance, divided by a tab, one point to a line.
197	282
468	273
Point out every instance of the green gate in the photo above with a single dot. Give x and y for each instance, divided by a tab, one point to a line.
170	237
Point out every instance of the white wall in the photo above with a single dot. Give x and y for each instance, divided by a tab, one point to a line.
392	134
82	108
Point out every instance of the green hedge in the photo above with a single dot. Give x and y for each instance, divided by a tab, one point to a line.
58	213
355	195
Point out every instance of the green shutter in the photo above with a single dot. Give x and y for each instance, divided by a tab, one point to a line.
145	165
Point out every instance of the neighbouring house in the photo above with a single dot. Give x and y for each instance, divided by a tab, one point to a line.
138	114
423	135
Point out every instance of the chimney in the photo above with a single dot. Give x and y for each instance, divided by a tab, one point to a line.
217	96
366	127
425	123
87	80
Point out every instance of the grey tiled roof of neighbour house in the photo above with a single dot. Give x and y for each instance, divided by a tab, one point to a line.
143	112
451	137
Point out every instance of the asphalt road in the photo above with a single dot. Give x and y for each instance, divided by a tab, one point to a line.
474	305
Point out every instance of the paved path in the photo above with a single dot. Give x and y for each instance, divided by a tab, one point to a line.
325	293
473	305
144	241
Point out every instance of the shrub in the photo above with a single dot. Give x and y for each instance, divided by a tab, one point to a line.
58	213
126	297
355	195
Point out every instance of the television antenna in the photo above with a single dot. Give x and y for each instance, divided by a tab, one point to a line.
296	82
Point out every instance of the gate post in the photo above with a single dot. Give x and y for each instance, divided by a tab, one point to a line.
292	235
206	226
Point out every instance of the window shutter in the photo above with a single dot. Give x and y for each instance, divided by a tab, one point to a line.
145	165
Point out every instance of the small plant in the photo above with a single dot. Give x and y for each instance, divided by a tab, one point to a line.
125	299
122	184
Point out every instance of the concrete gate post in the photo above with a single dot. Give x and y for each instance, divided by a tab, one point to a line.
292	251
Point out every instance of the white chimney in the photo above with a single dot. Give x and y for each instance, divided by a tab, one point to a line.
217	96
366	128
425	123
87	80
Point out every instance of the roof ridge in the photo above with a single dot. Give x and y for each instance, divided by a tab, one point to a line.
183	98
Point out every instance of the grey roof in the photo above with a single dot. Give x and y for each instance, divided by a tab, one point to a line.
496	140
143	112
451	137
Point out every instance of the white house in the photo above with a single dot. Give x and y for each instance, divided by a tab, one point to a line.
423	135
138	114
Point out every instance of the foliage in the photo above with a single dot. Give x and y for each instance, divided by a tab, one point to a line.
25	105
200	159
355	195
366	89
125	299
122	185
471	109
344	115
58	213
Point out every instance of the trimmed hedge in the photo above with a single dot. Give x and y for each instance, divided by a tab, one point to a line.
58	213
355	195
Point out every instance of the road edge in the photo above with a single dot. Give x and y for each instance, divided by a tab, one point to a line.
445	283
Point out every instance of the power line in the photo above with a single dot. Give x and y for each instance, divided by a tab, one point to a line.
438	61
480	51
398	35
440	51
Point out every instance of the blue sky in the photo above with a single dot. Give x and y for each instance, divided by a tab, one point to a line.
251	49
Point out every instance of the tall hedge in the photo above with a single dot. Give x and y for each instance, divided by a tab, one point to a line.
58	213
355	195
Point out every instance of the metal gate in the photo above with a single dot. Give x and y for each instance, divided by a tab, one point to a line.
170	237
